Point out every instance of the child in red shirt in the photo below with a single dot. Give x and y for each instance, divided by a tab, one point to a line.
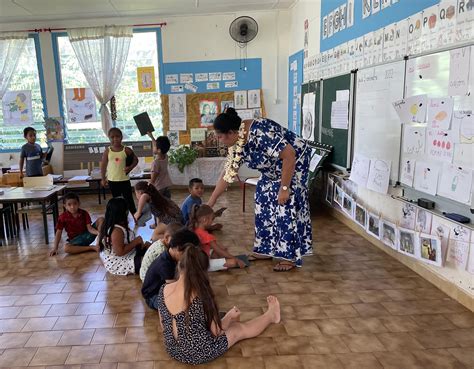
77	222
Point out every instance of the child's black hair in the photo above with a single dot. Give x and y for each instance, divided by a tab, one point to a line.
116	130
28	129
193	181
116	213
182	239
163	144
71	196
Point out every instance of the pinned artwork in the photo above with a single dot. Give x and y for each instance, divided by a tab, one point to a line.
81	106
470	263
173	136
441	230
440	111
360	215
440	145
389	234
459	71
414	138
208	112
348	205
407	172
240	99
408	216
360	170
423	221
426	178
458	252
54	129
462	127
456	183
412	109
177	112
253	99
338	195
407	242
17	108
307	130
226	104
379	176
373	225
430	250
330	191
201	77
146	79
171	79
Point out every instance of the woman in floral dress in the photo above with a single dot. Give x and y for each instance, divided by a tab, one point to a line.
282	217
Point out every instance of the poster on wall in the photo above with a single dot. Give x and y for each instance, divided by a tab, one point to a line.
208	112
308	119
81	105
17	108
177	112
414	33
146	79
226	104
54	128
240	99
253	100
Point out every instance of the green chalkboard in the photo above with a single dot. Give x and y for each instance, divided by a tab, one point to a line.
340	139
314	116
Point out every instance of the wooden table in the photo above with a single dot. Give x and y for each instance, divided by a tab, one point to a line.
17	195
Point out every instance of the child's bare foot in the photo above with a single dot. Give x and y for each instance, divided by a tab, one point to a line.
273	309
234	314
230	263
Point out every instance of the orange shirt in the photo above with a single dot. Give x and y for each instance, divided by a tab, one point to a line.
205	238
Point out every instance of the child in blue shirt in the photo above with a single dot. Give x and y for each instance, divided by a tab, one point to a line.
32	153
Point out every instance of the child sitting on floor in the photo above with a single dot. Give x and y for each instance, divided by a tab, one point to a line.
77	222
120	251
164	209
157	247
220	259
163	269
193	332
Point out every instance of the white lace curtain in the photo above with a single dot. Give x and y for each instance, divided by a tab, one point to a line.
102	53
11	47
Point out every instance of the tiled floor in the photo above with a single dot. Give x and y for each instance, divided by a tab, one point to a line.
350	306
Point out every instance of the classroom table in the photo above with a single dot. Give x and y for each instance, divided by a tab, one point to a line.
16	195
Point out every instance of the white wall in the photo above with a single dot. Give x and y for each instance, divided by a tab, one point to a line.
310	10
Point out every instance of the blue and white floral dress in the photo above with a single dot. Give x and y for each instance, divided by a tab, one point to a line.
281	231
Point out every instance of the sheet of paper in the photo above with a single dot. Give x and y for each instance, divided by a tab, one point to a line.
408	172
430	249
463	154
414	138
315	160
440	229
228	76
231	84
423	221
186	78
253	100
360	170
379	175
177	88
340	114
216	76
440	145
191	87
459	63
457	254
412	109
462	126
81	105
212	85
408	216
342	95
171	79
177	112
426	177
456	183
245	114
101	149
201	77
440	111
408	243
240	99
308	118
198	134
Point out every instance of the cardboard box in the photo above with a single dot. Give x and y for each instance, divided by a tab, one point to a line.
47	169
12	179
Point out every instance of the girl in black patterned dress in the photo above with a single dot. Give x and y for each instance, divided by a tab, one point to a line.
193	332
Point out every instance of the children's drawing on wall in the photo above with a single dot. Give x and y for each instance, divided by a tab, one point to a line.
458	254
440	145
408	172
338	195
412	109
423	221
440	111
360	215
17	108
379	175
226	104
373	225
441	231
389	234
462	126
81	105
177	112
430	250
407	242
426	177
414	138
360	170
456	183
54	129
146	79
253	99
240	99
208	112
308	126
173	136
408	216
348	205
330	191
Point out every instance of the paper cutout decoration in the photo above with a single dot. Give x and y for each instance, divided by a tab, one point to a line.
253	100
412	109
360	170
240	99
408	243
389	234
440	111
414	139
458	254
430	250
440	145
373	225
462	127
459	61
379	175
408	172
441	231
146	79
81	106
330	191
348	205
455	183
423	221
308	116
408	216
360	215
338	195
426	178
226	104
17	108
208	112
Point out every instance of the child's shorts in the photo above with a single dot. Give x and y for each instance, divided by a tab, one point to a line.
83	239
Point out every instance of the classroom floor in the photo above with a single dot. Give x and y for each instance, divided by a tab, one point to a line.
350	306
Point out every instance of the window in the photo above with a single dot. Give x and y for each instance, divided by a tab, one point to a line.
26	77
129	102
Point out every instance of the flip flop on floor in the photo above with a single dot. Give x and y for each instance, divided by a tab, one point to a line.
252	257
284	266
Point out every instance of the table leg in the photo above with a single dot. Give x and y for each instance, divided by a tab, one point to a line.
243	198
55	210
98	192
45	221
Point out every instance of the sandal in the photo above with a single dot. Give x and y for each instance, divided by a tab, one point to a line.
284	266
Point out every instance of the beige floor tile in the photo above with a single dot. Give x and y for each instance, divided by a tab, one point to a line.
85	354
51	356
124	352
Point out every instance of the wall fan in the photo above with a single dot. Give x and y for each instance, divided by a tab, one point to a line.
243	30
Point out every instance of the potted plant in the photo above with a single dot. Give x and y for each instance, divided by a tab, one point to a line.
182	155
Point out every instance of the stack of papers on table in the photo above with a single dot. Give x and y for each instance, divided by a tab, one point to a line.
42	188
78	181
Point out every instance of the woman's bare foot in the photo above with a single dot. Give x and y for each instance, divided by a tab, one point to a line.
273	309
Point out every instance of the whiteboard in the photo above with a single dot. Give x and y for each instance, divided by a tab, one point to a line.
377	129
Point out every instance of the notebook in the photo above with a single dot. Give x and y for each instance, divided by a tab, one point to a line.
143	123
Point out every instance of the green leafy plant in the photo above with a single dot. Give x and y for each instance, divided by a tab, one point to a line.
183	155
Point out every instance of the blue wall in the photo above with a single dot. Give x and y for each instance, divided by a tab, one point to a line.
292	83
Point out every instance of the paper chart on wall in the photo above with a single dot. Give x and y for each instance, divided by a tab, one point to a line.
456	183
414	138
253	99
186	78
216	76
465	22
462	126
440	145
441	230
340	114
177	112
426	177
395	41
308	116
447	23
201	77
412	109
407	172
429	29
379	175
228	76
240	99
423	221
414	33
360	170
440	111
459	62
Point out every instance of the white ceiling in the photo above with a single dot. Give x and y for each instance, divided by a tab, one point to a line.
45	10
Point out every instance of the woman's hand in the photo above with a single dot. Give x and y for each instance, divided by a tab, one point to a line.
283	196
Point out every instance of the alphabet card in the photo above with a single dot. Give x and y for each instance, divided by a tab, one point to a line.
379	176
430	249
456	183
414	138
440	111
426	177
440	145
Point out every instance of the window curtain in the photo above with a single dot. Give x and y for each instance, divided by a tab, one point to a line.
12	45
102	53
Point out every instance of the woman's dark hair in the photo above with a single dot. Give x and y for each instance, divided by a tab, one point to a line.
183	238
163	143
116	213
227	121
195	263
197	212
161	203
114	130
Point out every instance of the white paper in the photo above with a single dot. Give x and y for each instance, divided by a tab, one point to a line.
415	22
253	99
408	216
440	111
177	88
373	225
430	250
408	172
408	243
91	150
460	233
470	263
360	170
173	136
201	77
412	109
462	127
231	84
198	134
186	78
101	149
17	108
457	254
414	139
212	85
79	178
426	177
456	183
245	114
171	79
308	117
217	76
315	160
423	221
240	99
340	114
440	145
379	175
177	112
348	205
441	230
447	23
81	105
342	95
463	154
191	87
388	234
228	76
459	71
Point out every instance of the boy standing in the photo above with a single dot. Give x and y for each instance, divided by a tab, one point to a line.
77	222
32	153
160	177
